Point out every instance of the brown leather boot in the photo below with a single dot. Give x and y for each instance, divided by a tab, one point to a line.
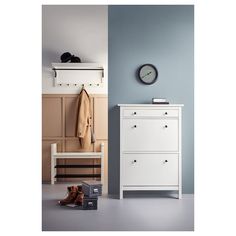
79	188
80	197
72	194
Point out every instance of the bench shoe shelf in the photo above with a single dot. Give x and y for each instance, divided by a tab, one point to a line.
75	155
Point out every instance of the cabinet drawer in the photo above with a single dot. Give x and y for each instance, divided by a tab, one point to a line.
150	135
150	113
149	169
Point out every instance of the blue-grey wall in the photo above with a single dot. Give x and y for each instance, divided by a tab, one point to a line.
163	36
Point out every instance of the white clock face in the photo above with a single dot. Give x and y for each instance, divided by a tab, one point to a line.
148	74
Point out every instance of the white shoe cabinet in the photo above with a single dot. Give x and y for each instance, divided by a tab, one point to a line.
150	147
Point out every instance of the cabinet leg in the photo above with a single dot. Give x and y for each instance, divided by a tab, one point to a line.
180	195
121	193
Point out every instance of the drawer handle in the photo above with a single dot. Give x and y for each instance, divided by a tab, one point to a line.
166	161
166	126
135	113
166	113
135	126
134	161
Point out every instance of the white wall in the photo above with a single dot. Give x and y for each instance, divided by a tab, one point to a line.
80	30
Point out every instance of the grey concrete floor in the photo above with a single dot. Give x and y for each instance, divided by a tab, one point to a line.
137	212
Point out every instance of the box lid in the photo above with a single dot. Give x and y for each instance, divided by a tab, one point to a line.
91	182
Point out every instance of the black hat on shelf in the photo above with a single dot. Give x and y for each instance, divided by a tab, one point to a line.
75	59
65	57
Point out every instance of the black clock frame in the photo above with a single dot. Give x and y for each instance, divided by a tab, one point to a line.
151	65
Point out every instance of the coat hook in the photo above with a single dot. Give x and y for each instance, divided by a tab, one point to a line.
90	84
68	84
60	84
75	84
82	86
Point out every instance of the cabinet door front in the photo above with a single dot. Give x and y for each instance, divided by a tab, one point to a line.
150	134
150	169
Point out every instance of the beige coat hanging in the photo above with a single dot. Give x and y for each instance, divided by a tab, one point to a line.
84	121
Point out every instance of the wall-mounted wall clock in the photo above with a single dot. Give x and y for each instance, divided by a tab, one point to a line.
148	73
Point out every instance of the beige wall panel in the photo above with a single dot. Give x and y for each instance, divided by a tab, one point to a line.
46	158
52	117
73	145
71	112
98	149
59	120
71	109
101	117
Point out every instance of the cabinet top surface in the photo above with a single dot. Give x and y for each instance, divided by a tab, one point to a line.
150	105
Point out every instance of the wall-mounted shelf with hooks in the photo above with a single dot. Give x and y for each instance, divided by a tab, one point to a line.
78	74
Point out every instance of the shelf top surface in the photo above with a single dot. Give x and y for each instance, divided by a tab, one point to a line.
76	66
150	105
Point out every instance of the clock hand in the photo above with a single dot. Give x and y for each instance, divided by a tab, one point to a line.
147	74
